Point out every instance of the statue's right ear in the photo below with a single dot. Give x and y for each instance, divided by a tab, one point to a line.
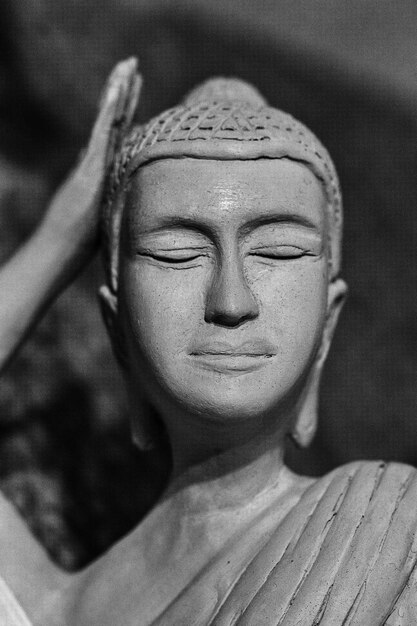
109	311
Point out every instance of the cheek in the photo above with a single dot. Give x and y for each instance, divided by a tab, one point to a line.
293	304
163	307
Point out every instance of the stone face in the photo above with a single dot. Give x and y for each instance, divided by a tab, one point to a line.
229	330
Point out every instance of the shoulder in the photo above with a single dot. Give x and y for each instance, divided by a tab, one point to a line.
380	474
344	551
378	471
374	488
367	487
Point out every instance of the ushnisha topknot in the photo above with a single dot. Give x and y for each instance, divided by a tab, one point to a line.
224	118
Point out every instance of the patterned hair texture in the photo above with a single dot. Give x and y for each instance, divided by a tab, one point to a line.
226	119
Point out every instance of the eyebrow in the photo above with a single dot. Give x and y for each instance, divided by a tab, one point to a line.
279	218
177	221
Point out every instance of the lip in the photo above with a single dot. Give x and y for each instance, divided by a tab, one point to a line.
226	357
255	347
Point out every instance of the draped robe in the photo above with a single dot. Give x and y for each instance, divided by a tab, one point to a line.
345	554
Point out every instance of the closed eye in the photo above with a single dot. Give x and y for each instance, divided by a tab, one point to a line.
281	252
175	256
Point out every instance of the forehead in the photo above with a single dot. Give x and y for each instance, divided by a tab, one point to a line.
217	192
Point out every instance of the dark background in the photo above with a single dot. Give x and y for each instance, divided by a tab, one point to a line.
346	69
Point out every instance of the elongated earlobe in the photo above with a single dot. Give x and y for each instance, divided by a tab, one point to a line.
305	425
144	423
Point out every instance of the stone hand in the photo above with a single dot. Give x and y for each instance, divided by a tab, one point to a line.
68	234
73	215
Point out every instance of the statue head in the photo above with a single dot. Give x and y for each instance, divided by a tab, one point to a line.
222	227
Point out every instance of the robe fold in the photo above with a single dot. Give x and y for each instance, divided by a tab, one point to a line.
345	555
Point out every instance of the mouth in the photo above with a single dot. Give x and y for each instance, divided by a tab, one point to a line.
224	357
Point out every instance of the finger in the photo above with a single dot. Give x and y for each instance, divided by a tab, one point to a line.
126	108
118	101
122	69
134	89
120	78
118	105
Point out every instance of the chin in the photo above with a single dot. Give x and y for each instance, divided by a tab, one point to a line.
230	397
232	403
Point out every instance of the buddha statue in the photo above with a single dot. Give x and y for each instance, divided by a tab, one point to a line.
221	231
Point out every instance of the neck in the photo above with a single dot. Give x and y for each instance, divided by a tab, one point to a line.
224	466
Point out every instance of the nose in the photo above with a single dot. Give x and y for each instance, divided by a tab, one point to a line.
230	301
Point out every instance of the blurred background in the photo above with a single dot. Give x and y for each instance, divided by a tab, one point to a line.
346	69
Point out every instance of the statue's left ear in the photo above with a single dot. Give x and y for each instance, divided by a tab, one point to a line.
306	424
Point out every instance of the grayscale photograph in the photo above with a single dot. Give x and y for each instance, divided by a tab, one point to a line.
208	313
